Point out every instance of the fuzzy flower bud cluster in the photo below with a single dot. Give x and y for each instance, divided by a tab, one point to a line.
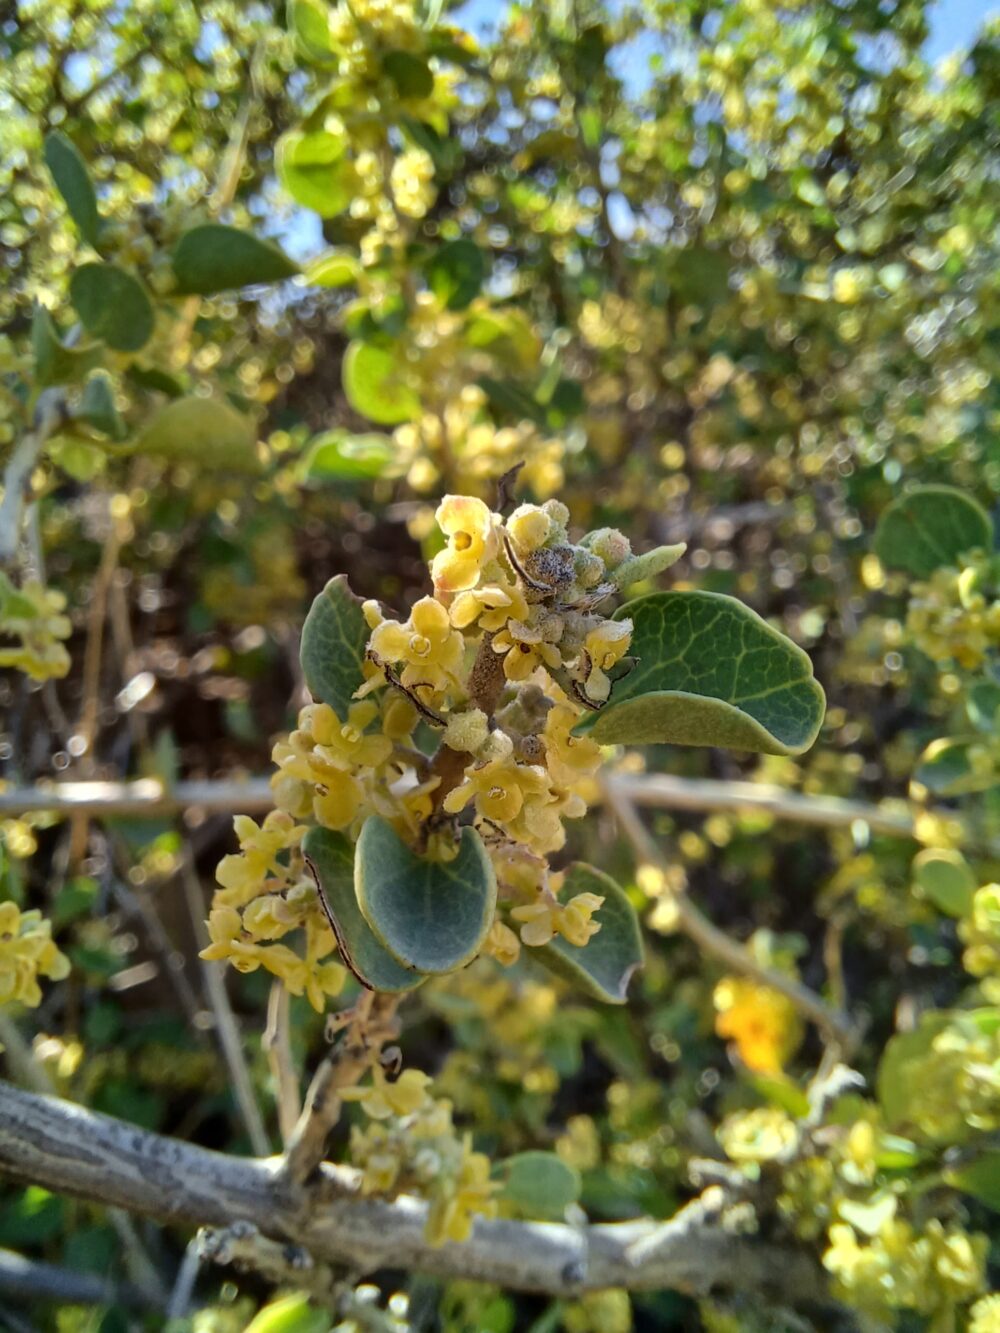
954	617
410	1143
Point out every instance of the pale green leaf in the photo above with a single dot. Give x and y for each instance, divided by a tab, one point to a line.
98	407
113	306
309	23
539	1184
313	169
710	672
945	877
55	363
980	1178
430	915
213	258
953	766
930	527
337	455
374	385
330	858
605	964
334	641
337	268
205	431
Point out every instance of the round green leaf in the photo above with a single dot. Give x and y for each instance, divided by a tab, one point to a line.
945	877
374	386
411	75
930	527
214	258
455	272
334	642
205	431
540	1184
113	306
313	169
710	672
430	915
336	455
69	171
98	407
604	966
330	858
980	1178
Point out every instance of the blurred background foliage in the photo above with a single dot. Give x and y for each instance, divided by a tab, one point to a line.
718	271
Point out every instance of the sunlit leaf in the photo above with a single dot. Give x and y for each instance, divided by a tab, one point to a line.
55	363
945	877
337	268
710	672
375	386
430	915
337	455
313	169
455	272
204	431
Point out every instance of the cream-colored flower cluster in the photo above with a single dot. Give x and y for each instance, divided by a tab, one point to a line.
27	951
35	616
500	662
955	615
411	1143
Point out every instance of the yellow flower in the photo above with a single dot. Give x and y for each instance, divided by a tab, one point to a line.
269	917
545	919
984	1317
500	788
472	541
527	647
27	951
502	944
427	645
757	1136
568	758
606	645
244	875
762	1022
529	527
452	1212
492	605
382	1099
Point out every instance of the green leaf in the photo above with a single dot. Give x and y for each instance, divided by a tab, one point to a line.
930	527
337	455
411	75
903	1072
945	877
113	306
430	915
980	1178
334	641
330	858
374	386
309	23
313	169
604	966
637	568
69	171
983	705
337	268
55	363
952	767
540	1184
213	258
206	431
289	1314
98	408
513	399
455	272
710	672
781	1091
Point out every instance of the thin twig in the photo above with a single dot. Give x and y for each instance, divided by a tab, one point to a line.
225	1020
277	1044
30	1280
369	1026
834	1025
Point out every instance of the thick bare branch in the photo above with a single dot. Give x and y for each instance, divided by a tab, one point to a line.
71	1150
